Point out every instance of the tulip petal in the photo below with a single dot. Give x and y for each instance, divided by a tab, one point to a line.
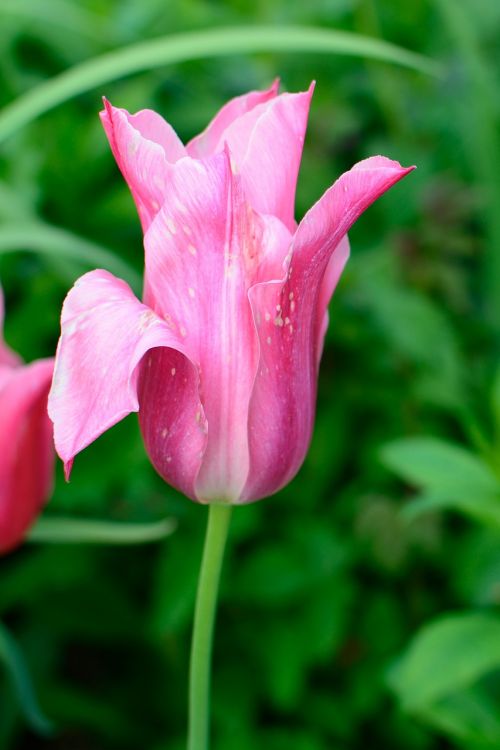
266	145
210	140
143	145
26	448
202	248
105	332
291	315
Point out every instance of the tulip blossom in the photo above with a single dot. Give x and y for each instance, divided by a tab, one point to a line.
26	442
221	357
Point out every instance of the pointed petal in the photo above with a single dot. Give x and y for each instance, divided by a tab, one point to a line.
143	145
283	401
105	332
207	142
26	449
201	250
266	145
8	358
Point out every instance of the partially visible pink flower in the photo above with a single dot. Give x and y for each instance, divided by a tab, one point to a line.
221	359
26	442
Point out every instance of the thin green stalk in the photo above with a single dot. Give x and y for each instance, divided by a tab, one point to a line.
203	628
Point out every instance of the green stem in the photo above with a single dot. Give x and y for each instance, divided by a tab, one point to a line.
203	628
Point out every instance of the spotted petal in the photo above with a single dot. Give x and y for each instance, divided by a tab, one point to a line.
105	333
291	315
202	250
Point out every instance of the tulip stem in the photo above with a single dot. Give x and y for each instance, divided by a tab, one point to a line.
204	617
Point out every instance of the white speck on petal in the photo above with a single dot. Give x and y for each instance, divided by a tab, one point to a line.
292	306
164	433
168	459
267	316
171	226
290	296
192	249
186	229
183	331
269	339
191	292
173	371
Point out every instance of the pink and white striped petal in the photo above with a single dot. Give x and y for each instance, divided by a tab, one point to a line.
201	250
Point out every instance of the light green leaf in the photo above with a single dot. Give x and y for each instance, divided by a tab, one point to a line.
446	656
82	531
13	660
470	716
482	508
194	45
54	241
440	468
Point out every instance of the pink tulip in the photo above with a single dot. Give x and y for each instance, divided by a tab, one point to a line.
221	358
26	443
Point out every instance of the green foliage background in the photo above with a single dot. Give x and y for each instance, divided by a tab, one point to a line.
359	606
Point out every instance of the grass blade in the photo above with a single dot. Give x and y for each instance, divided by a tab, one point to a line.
84	531
193	45
13	660
49	240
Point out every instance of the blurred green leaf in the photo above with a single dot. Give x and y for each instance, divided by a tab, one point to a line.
13	660
199	44
440	467
470	716
84	531
445	657
482	508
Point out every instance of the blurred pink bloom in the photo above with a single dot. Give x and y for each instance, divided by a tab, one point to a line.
26	442
221	359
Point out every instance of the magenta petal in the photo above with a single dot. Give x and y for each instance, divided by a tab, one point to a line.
143	145
200	250
209	141
291	328
26	449
105	332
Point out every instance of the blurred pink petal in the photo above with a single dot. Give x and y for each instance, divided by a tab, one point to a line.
26	444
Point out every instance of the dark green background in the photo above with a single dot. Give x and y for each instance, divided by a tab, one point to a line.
325	585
